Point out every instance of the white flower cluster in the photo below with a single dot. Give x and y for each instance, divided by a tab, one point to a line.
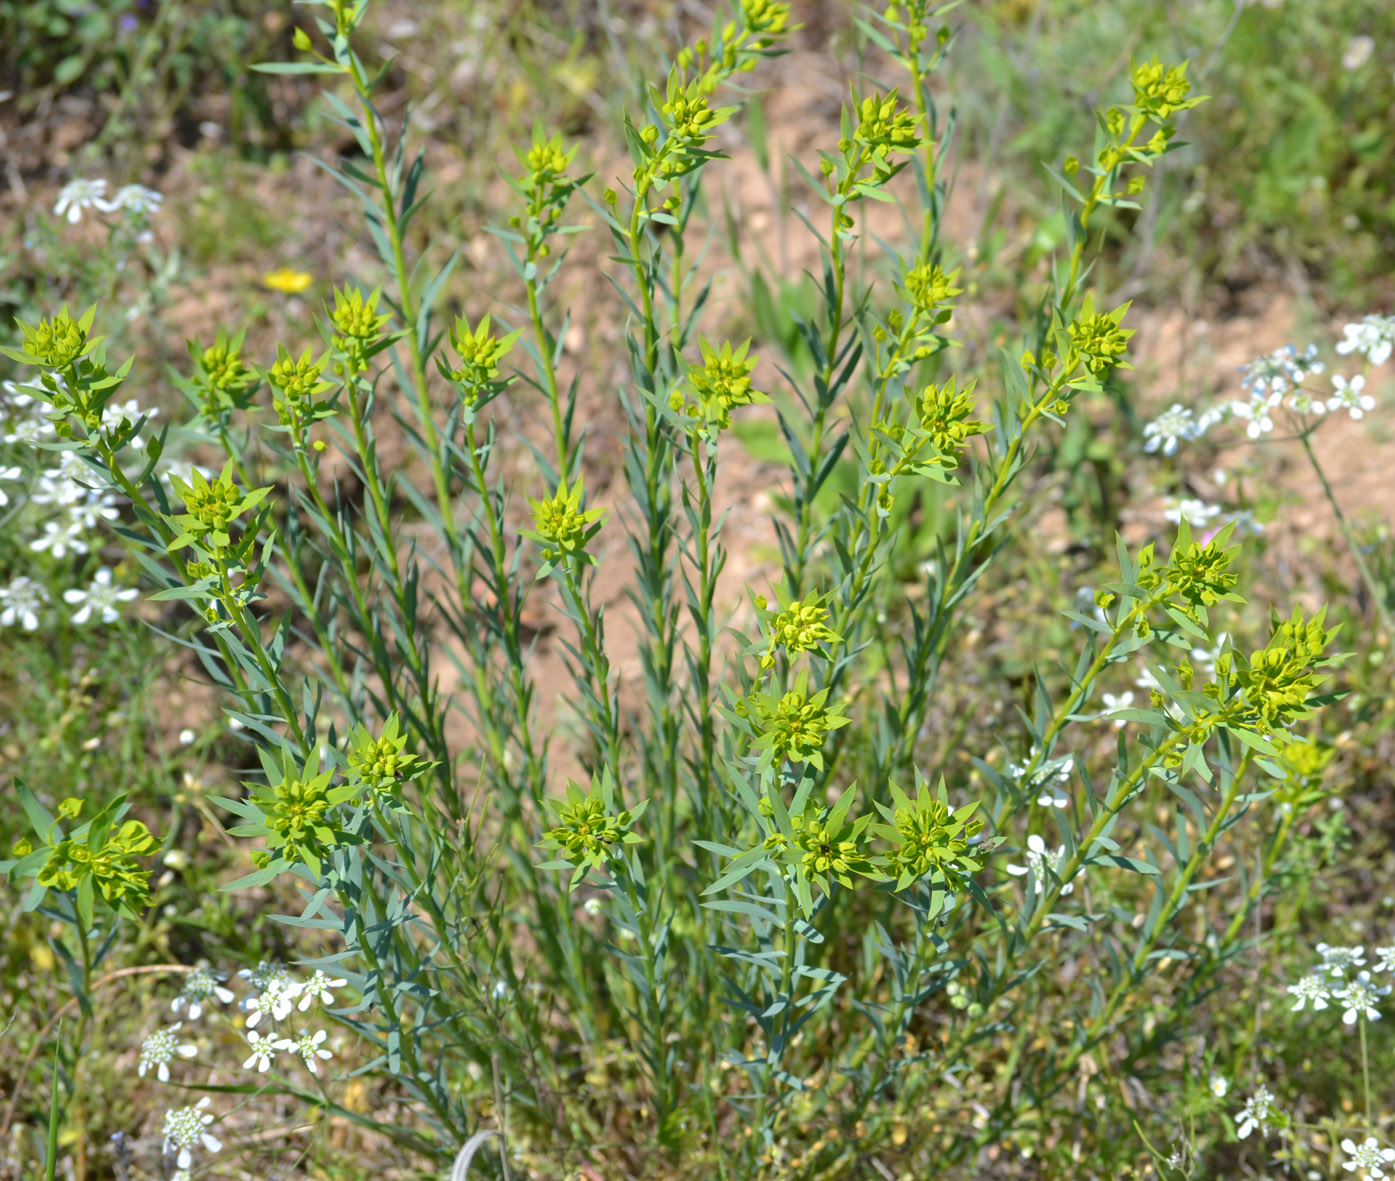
1333	980
1048	778
1039	860
1368	1155
65	504
1259	1112
273	993
1275	381
77	195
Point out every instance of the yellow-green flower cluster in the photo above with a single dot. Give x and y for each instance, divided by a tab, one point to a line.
591	829
1097	341
1160	91
210	509
222	381
57	342
927	286
944	416
722	382
1278	681
480	354
800	625
358	327
382	765
102	856
930	840
298	384
884	126
794	726
563	527
296	816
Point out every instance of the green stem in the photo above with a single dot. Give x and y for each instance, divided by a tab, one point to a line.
1377	592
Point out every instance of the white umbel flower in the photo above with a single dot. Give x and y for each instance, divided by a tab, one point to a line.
318	988
1258	1112
186	1129
1172	426
77	195
8	473
263	1051
61	539
101	597
1114	703
133	199
1197	513
1256	413
20	603
1371	336
1368	1155
1310	990
1359	997
1219	1086
1348	395
1337	961
1039	859
199	986
161	1048
309	1047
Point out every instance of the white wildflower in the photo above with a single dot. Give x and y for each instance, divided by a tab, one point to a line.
186	1128
1039	859
1197	513
1337	961
1258	1112
77	195
133	199
8	473
1385	959
1371	336
102	596
199	985
1114	703
1219	1086
1368	1155
309	1047
263	1051
60	539
318	988
1360	997
1256	412
160	1048
20	603
1279	371
1357	54
1349	396
1172	426
1302	402
1312	988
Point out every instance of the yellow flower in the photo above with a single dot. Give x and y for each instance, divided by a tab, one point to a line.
286	280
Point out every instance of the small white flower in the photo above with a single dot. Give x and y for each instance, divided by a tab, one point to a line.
265	974
20	603
1256	410
1195	512
159	1050
1219	1086
276	1001
318	988
134	199
1336	961
1385	959
1039	859
102	597
263	1051
1258	1112
77	195
1311	988
1371	336
1349	396
1277	372
60	540
1360	997
185	1128
1113	704
1368	1155
308	1046
1302	402
7	473
1358	53
1169	428
199	986
186	737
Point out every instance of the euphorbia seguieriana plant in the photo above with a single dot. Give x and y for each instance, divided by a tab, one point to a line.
783	917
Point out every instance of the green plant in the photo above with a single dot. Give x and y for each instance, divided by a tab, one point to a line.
794	934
